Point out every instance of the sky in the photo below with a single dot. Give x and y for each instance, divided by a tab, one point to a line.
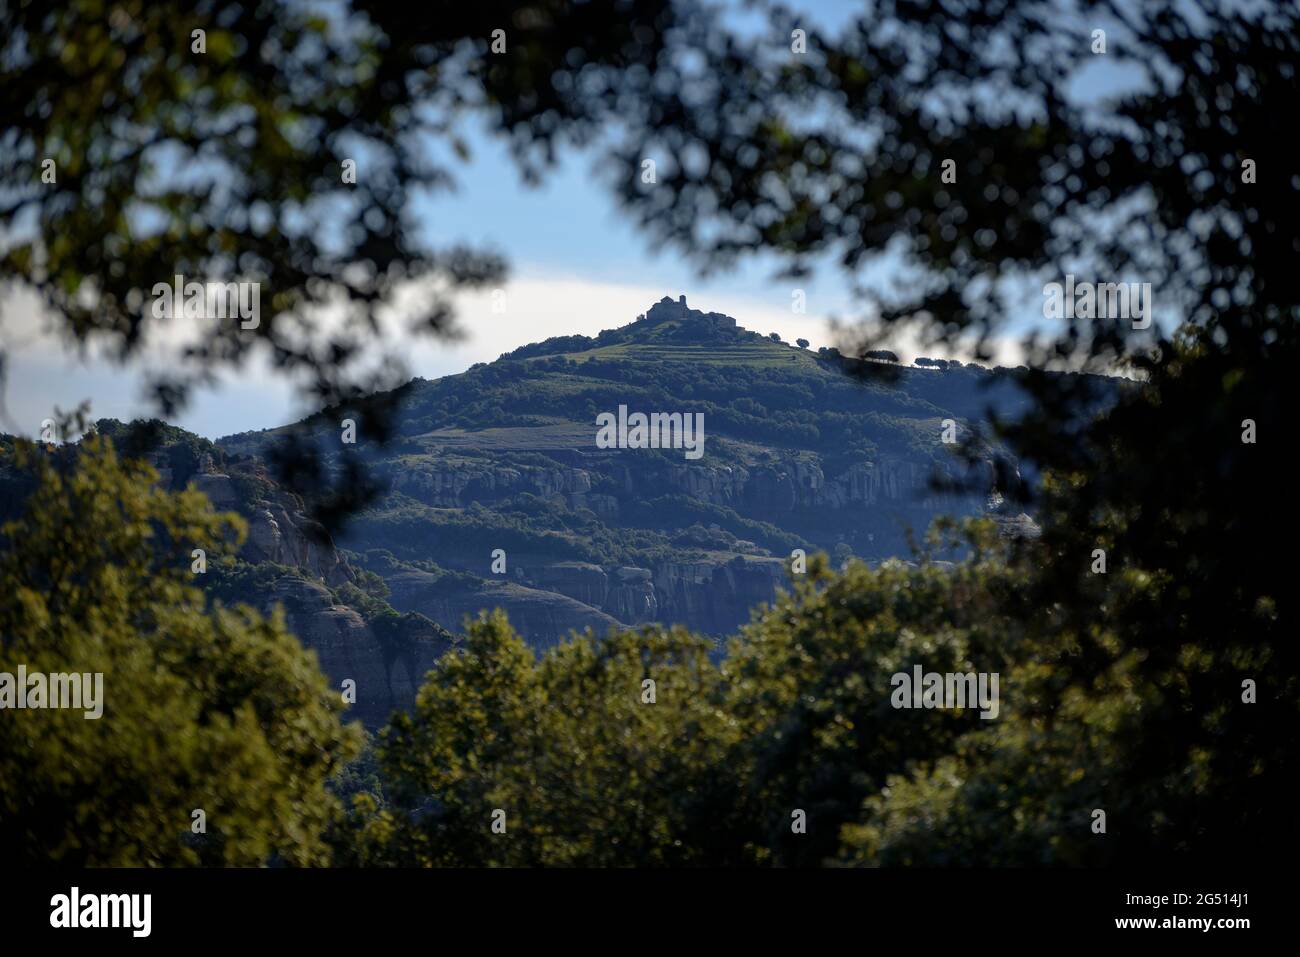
576	266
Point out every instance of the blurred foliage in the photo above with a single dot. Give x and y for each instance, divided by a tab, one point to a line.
215	708
227	162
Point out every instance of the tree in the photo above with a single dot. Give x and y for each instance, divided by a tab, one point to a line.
810	684
207	709
801	343
599	752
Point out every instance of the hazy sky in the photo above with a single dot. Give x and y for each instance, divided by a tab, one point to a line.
577	266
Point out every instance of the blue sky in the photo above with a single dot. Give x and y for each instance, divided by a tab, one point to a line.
577	266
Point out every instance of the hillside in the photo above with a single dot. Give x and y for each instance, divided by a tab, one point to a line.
497	493
504	456
288	560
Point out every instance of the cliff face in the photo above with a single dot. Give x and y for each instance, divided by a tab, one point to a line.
289	563
783	486
458	485
276	534
713	595
720	597
387	664
712	592
544	616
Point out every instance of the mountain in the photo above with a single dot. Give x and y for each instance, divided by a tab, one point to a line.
505	456
497	492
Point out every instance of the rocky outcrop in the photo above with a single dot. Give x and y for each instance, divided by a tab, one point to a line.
716	597
388	668
801	483
455	485
279	530
625	594
387	658
288	537
791	483
543	617
632	596
581	581
219	489
711	595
